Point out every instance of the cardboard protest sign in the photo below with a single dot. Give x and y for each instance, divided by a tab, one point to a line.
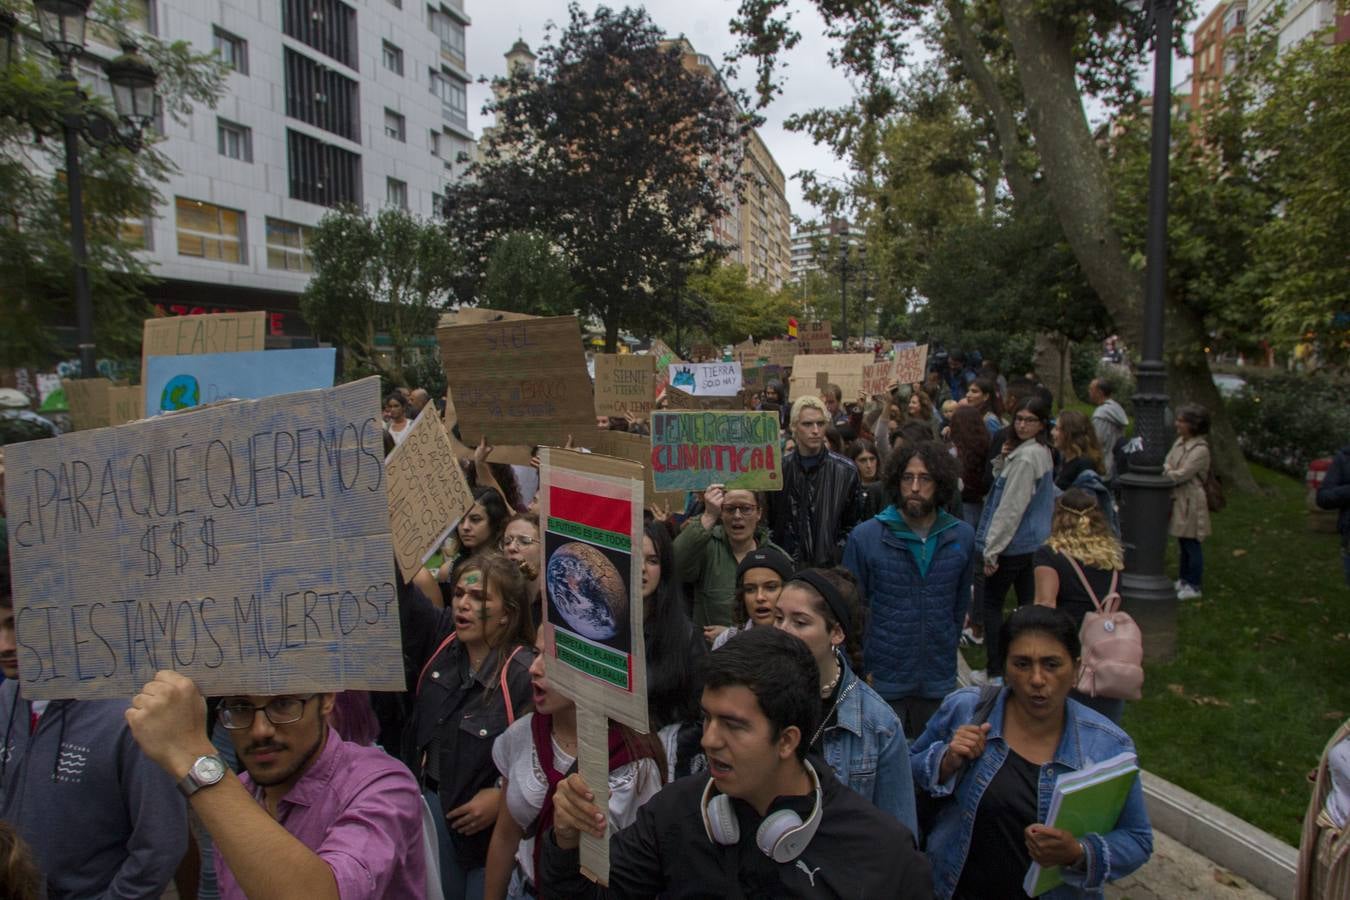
878	378
590	509
822	379
126	403
843	369
479	315
815	337
664	356
779	353
637	448
214	333
625	384
90	406
245	545
182	382
757	378
428	493
746	353
692	450
911	364
678	399
520	382
712	379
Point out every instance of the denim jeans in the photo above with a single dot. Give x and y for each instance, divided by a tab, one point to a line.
1192	567
456	883
1014	570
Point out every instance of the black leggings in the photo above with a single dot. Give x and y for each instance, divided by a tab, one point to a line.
1015	571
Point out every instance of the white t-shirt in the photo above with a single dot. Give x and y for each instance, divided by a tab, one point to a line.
400	436
630	785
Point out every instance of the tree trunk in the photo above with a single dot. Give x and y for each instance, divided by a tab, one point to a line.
611	320
1081	193
1051	362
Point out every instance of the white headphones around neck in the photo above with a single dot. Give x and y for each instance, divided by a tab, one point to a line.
782	835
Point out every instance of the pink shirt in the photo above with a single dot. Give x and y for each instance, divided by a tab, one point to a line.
360	810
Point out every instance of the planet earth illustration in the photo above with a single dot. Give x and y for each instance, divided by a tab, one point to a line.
181	392
587	591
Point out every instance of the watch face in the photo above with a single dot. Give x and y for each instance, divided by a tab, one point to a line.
208	770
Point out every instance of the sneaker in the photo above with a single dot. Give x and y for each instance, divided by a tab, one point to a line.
970	638
1187	592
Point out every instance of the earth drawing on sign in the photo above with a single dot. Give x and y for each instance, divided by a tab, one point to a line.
181	392
587	590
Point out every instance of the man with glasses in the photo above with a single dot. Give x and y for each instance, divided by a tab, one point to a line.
915	563
810	518
315	816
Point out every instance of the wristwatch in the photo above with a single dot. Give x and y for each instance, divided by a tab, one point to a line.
206	771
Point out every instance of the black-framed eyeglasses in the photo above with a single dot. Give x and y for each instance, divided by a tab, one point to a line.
738	509
279	711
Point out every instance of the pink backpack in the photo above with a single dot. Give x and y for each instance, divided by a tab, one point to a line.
1113	646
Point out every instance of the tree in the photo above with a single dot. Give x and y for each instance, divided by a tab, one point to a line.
389	273
734	307
619	155
1030	66
120	187
527	273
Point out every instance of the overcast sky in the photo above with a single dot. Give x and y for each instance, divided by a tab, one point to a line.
810	82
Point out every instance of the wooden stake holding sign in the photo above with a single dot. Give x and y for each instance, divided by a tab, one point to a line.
590	511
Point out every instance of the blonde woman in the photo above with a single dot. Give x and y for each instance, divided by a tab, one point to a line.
1079	535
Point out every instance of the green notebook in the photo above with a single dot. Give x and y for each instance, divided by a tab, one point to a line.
1085	802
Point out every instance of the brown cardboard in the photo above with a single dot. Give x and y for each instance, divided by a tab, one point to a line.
878	378
245	545
90	405
911	364
815	337
625	385
213	333
428	493
843	369
519	382
637	448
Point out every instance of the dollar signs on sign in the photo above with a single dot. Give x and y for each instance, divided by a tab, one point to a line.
209	549
152	561
180	554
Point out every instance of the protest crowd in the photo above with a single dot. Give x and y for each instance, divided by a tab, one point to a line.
808	733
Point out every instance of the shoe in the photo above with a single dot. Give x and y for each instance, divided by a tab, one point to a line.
970	638
1188	592
1177	585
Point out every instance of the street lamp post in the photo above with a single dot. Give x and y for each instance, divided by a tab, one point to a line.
1146	500
843	292
62	23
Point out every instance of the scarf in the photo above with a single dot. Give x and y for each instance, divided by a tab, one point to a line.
541	729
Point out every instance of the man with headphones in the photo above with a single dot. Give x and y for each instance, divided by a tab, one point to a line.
762	821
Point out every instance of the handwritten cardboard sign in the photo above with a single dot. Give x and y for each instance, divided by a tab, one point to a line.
89	403
757	378
746	353
182	382
518	382
678	399
428	493
126	403
691	450
878	378
843	369
713	379
625	384
815	337
245	545
664	356
911	364
636	448
779	353
213	333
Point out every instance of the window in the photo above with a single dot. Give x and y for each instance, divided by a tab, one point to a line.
328	26
454	98
288	246
395	126
232	50
436	143
1235	18
450	32
323	97
393	58
396	193
321	173
209	232
234	141
437	205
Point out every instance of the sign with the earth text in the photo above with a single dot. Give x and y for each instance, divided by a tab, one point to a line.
245	546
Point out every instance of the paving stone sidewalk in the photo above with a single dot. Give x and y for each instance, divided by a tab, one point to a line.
1175	871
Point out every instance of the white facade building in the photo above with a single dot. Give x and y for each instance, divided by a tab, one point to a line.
1301	18
330	101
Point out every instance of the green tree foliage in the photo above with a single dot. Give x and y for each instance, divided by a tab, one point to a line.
120	187
619	155
733	307
527	273
387	273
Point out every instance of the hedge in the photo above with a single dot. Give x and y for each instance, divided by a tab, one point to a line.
1285	421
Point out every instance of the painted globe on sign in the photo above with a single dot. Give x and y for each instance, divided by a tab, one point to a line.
181	392
587	590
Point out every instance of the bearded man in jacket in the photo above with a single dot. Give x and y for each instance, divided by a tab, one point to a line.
821	499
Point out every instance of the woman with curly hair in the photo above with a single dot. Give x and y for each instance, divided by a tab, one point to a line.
1079	537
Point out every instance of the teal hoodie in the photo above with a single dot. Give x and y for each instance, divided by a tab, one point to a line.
922	548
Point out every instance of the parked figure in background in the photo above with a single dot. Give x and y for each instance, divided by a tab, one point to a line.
1187	465
995	779
810	518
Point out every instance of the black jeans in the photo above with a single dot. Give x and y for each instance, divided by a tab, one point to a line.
1015	571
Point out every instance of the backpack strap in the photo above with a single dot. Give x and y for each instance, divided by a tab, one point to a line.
430	659
506	694
1112	596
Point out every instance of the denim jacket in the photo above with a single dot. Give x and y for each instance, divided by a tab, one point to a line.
1016	516
867	750
1088	738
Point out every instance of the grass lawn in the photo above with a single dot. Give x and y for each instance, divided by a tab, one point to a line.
1262	674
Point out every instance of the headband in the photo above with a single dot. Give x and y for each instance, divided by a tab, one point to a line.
833	599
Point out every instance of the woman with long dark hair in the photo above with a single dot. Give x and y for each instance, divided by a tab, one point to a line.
859	735
865	458
1079	451
971	440
983	395
396	421
1016	518
674	646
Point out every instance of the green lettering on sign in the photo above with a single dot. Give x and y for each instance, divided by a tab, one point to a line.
611	539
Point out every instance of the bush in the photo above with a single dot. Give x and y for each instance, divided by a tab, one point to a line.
1285	421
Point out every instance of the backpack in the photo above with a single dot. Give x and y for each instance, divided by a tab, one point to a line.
1113	646
1088	479
1214	496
